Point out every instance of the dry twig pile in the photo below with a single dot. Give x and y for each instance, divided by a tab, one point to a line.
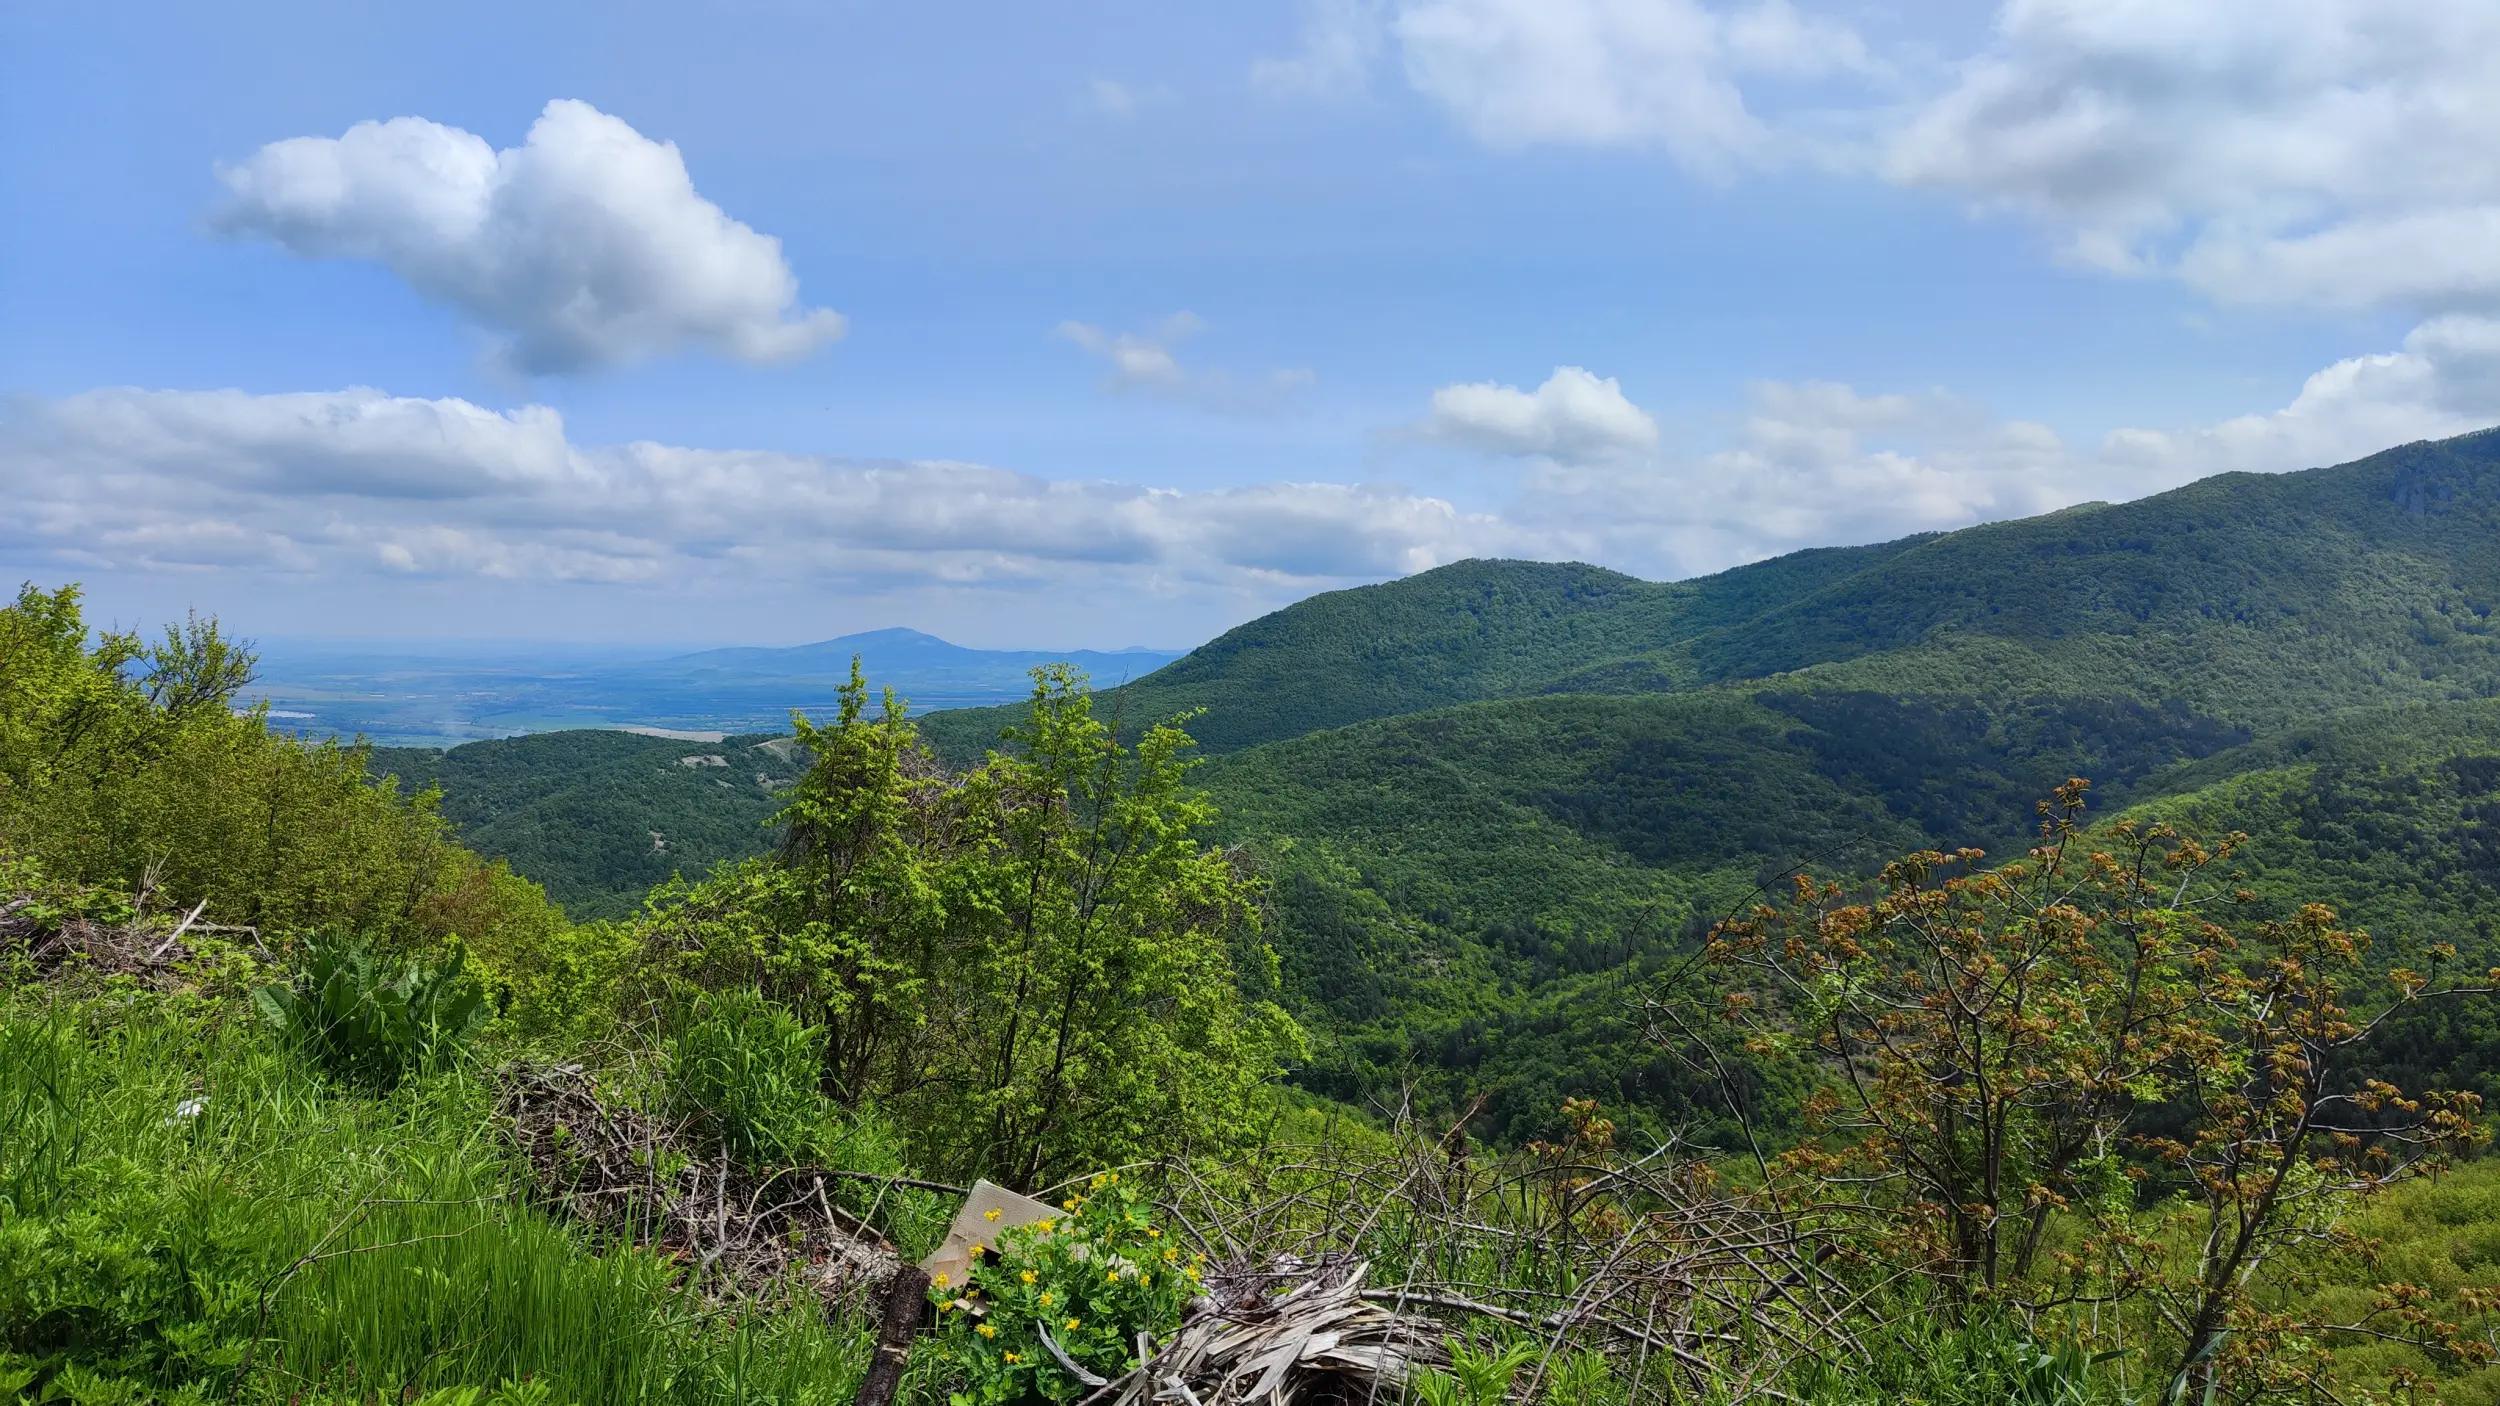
1687	1286
629	1175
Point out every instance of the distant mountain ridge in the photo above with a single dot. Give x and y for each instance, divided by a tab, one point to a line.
365	689
899	649
2237	576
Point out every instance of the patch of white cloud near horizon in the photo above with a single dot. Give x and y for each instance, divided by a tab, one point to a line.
357	483
361	482
1148	362
1816	463
587	245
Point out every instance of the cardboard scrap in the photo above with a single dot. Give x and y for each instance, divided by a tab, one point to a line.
973	1225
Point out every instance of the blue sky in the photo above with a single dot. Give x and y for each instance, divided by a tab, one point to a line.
1110	324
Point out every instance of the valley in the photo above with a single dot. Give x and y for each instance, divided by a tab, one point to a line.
1494	799
397	697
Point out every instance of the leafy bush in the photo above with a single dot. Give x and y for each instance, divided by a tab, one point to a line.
372	1020
126	764
744	1072
1035	967
1090	1281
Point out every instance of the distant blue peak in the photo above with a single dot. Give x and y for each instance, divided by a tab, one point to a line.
895	634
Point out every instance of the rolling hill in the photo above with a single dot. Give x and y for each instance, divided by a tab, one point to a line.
599	817
2257	597
1495	797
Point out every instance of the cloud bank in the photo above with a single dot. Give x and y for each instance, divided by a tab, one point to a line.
355	486
2319	153
358	482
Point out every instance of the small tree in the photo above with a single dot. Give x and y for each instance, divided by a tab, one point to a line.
1032	964
1116	1021
864	921
2000	1047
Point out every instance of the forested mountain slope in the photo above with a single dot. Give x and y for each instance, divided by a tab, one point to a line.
2256	597
1468	631
603	816
1458	876
2250	596
1491	797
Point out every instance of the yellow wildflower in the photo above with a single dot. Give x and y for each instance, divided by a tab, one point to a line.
1111	1276
1154	1232
1145	1281
1043	1226
1192	1271
1115	1178
1049	1298
1170	1255
1073	1325
987	1330
1100	1178
941	1280
1028	1276
1071	1203
990	1214
979	1250
1014	1357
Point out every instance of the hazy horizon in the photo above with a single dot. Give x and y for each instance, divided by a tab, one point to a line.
1011	326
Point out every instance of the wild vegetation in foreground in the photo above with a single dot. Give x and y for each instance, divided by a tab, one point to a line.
301	1102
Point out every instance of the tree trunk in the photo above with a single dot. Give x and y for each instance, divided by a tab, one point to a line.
906	1298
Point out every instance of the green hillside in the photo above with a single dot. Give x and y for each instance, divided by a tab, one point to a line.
1491	795
1468	631
600	817
2253	597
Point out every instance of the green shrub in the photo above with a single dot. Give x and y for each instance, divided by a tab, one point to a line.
743	1072
125	763
1034	967
1091	1280
373	1020
1475	1378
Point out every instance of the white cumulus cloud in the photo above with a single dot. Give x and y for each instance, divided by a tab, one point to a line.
2317	152
1575	414
341	490
2320	153
1664	74
587	245
1815	463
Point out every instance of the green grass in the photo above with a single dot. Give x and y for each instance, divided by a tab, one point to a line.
303	1240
